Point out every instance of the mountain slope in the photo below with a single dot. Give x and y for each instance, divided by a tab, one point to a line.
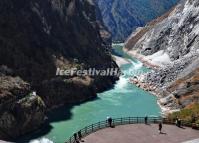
36	38
172	44
121	17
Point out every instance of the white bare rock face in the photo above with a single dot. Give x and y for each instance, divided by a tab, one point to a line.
172	43
177	35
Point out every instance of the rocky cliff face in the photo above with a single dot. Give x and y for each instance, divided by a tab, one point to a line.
172	43
121	17
36	38
20	111
186	88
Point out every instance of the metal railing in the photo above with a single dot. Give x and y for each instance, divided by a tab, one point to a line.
124	121
117	121
183	123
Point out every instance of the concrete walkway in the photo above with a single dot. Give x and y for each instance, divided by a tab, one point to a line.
140	133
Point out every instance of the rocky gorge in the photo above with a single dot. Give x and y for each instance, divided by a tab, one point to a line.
170	43
36	38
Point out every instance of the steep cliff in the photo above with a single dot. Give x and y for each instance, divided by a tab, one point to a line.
186	88
171	43
36	38
121	17
20	111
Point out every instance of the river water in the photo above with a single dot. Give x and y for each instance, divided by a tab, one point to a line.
123	100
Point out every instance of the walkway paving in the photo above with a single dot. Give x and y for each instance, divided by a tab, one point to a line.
140	133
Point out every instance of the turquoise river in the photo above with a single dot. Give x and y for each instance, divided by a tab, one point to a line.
123	100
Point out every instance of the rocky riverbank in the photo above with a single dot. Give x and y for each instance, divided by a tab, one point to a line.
120	61
154	90
159	81
142	59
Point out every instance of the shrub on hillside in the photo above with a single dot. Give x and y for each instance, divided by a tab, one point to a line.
189	115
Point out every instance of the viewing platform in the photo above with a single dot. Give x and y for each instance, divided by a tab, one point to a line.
141	133
134	130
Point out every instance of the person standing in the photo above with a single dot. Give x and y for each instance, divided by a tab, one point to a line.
179	123
75	136
80	135
146	120
110	120
160	127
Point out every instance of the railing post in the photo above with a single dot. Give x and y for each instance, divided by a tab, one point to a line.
129	120
98	125
86	130
137	120
92	127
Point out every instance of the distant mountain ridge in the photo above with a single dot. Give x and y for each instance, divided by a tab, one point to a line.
123	16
